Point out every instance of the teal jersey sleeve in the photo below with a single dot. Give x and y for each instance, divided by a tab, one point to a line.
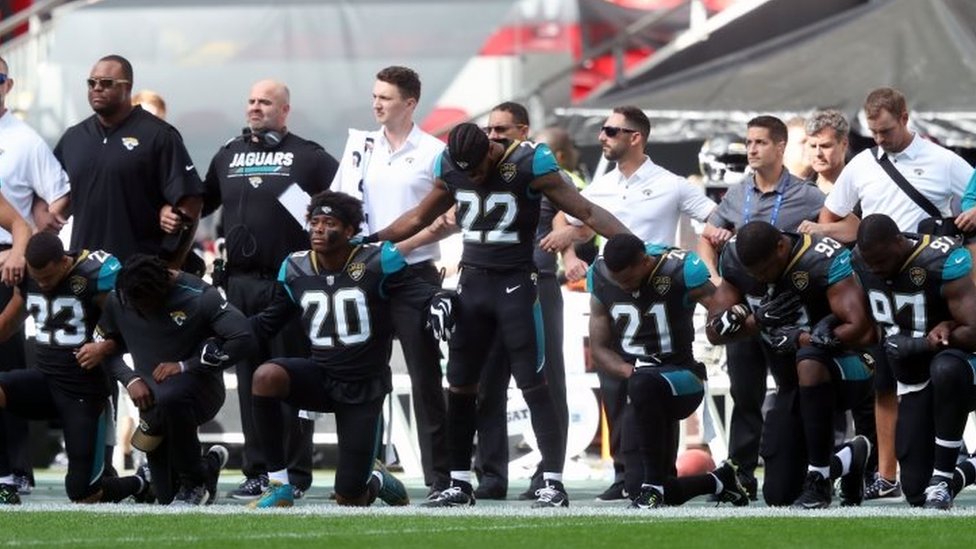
696	273
107	274
840	267
283	278
969	197
438	164
544	161
957	265
391	260
654	249
589	278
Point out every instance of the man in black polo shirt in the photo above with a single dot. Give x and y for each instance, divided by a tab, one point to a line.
125	167
254	176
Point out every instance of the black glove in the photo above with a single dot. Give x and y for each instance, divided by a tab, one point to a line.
440	319
212	353
823	336
900	347
784	340
730	321
781	310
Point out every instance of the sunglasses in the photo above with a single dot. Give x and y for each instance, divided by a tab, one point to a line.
500	128
3	78
612	131
105	83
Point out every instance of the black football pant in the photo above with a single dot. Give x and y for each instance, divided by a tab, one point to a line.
181	404
422	354
251	294
13	357
491	458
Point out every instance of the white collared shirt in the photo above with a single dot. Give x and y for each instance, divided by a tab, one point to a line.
938	173
649	202
394	181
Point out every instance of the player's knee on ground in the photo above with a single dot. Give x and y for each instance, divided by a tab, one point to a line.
270	380
362	500
80	490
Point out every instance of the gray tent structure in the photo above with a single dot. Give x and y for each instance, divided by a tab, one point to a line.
925	48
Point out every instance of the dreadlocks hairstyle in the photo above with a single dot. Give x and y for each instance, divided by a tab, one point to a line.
467	145
144	282
43	249
341	206
622	251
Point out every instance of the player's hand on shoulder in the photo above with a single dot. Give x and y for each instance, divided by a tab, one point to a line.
440	315
12	267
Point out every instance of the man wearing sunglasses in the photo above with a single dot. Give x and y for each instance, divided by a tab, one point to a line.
126	166
27	169
649	201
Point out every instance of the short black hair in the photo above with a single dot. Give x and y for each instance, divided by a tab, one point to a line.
876	229
43	249
756	241
126	66
636	117
777	129
144	282
622	251
405	79
520	115
467	145
347	209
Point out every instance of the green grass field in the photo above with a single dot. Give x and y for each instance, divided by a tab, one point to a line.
45	520
319	526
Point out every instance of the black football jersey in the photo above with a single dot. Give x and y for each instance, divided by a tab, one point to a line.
65	319
655	323
816	263
911	302
346	313
498	217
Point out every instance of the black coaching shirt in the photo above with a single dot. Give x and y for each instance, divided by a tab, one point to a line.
248	179
120	179
65	319
499	216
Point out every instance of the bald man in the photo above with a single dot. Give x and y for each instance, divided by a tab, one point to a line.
249	176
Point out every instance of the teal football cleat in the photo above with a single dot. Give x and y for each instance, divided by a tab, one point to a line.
276	495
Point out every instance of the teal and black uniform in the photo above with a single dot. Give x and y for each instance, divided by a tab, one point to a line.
347	317
57	387
653	328
936	388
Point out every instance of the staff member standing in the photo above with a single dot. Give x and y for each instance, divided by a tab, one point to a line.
125	167
392	169
253	176
770	193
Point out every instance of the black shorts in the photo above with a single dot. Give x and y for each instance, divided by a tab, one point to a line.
502	304
31	395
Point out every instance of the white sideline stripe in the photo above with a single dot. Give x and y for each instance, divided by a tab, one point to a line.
689	512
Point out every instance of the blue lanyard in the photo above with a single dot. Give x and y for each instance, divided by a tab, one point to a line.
747	208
